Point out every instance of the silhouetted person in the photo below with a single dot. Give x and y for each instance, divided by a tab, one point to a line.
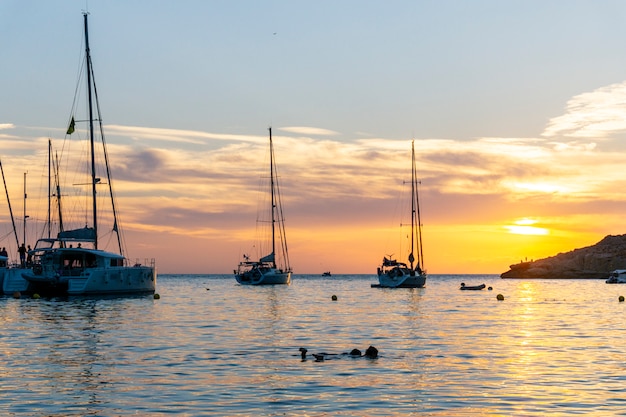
22	251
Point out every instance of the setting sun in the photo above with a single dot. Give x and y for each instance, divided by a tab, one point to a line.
526	230
525	227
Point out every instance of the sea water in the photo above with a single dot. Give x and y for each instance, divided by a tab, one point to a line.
210	347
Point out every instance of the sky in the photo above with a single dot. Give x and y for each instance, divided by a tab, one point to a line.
517	110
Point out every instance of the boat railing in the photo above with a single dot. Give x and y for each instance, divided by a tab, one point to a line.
151	262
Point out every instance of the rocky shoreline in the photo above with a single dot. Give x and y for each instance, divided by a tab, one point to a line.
591	262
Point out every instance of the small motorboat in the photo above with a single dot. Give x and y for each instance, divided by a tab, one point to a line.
472	287
617	277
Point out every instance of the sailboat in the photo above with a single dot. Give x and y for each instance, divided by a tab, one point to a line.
266	271
395	274
72	263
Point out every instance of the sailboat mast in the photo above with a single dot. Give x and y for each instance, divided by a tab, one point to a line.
91	134
420	260
57	186
49	188
273	199
412	257
25	216
17	240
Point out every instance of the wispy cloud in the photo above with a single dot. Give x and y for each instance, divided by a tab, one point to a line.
304	130
594	115
6	126
175	135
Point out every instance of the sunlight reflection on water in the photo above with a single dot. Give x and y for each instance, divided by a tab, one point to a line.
550	347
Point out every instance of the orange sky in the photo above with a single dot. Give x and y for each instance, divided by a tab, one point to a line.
486	203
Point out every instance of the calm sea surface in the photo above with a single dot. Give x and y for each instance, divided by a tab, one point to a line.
210	347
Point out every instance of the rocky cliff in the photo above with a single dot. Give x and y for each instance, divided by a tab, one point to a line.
595	261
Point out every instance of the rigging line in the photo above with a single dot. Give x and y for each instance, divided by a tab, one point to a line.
116	221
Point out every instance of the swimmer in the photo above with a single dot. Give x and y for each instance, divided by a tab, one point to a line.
370	353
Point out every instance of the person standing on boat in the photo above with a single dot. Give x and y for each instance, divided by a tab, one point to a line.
22	251
29	257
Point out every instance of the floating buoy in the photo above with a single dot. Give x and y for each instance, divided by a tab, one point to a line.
500	297
334	297
36	296
621	298
157	296
17	294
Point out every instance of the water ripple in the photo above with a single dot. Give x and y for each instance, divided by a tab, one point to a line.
550	348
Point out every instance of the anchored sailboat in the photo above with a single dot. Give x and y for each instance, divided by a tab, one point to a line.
61	267
266	270
394	274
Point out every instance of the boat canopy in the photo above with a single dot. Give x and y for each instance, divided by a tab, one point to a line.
86	234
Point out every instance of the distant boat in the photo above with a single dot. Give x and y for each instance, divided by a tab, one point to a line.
617	277
62	268
472	287
395	274
266	271
326	274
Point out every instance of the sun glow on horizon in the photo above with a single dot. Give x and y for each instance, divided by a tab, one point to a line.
525	226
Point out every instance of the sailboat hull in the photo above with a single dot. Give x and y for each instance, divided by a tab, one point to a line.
271	276
408	279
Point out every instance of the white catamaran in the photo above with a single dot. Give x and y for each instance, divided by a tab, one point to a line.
394	274
266	271
72	263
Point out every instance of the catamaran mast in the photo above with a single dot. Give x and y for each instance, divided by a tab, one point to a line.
273	202
116	227
91	134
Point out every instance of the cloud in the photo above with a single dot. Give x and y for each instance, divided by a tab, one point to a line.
596	114
303	130
176	183
6	126
175	135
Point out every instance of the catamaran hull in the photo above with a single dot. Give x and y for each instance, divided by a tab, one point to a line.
404	281
14	282
122	280
268	278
